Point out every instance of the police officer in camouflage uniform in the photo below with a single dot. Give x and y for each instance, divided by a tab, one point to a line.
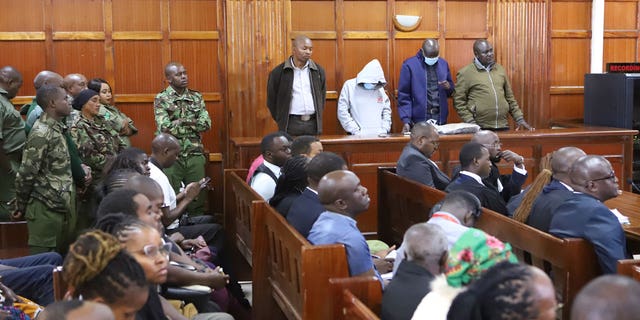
12	137
44	184
97	143
181	112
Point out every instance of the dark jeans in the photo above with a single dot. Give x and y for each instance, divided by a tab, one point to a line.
33	276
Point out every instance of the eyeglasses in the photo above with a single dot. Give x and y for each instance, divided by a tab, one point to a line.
152	251
493	145
611	176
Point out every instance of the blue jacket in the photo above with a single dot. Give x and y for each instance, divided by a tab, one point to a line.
412	89
583	216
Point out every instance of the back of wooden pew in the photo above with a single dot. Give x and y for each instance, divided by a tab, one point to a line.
356	298
629	268
240	202
573	261
13	239
291	276
401	204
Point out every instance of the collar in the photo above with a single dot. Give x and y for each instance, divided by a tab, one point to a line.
566	186
3	91
335	215
171	91
53	123
314	191
155	162
275	169
446	216
472	175
288	64
481	67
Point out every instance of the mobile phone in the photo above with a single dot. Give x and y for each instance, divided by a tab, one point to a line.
204	183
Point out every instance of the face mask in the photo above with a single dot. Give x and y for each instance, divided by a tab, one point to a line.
369	86
430	61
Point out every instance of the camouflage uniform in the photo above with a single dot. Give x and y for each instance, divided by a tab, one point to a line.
185	117
44	187
114	118
13	137
97	142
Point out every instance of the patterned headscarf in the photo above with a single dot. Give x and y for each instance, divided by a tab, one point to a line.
474	253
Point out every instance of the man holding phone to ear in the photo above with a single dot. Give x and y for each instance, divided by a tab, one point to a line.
483	93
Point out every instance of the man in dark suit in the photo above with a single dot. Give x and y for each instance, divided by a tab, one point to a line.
509	184
557	191
307	207
585	216
415	163
426	251
475	164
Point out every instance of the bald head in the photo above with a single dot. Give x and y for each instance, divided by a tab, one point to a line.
164	141
10	80
430	48
594	175
300	40
562	160
74	83
426	244
47	78
484	137
424	136
145	185
543	293
607	297
340	191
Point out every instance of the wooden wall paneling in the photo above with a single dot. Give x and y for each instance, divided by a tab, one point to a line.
466	19
519	33
79	56
142	116
361	52
330	123
193	15
365	15
14	18
139	15
428	10
139	66
77	15
200	58
28	58
257	41
620	15
566	107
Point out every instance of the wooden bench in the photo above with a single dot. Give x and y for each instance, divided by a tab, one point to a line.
240	202
291	276
356	298
573	261
13	239
629	268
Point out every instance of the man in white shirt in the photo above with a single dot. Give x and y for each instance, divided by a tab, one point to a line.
296	91
164	152
276	150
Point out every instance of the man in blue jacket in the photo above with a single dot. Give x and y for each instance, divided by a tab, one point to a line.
424	86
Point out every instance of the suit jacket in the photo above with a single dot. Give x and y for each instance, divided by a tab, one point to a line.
415	166
511	183
304	212
583	216
405	291
552	196
489	197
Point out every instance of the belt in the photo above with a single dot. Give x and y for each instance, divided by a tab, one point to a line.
303	117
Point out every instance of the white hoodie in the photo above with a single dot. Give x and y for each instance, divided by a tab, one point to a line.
362	111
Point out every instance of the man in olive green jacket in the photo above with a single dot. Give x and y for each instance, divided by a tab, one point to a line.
483	93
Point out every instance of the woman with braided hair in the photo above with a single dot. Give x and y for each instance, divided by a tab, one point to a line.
97	268
290	184
507	291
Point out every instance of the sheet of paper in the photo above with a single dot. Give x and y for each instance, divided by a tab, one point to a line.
621	218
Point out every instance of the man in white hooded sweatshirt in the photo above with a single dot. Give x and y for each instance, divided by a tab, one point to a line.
364	107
